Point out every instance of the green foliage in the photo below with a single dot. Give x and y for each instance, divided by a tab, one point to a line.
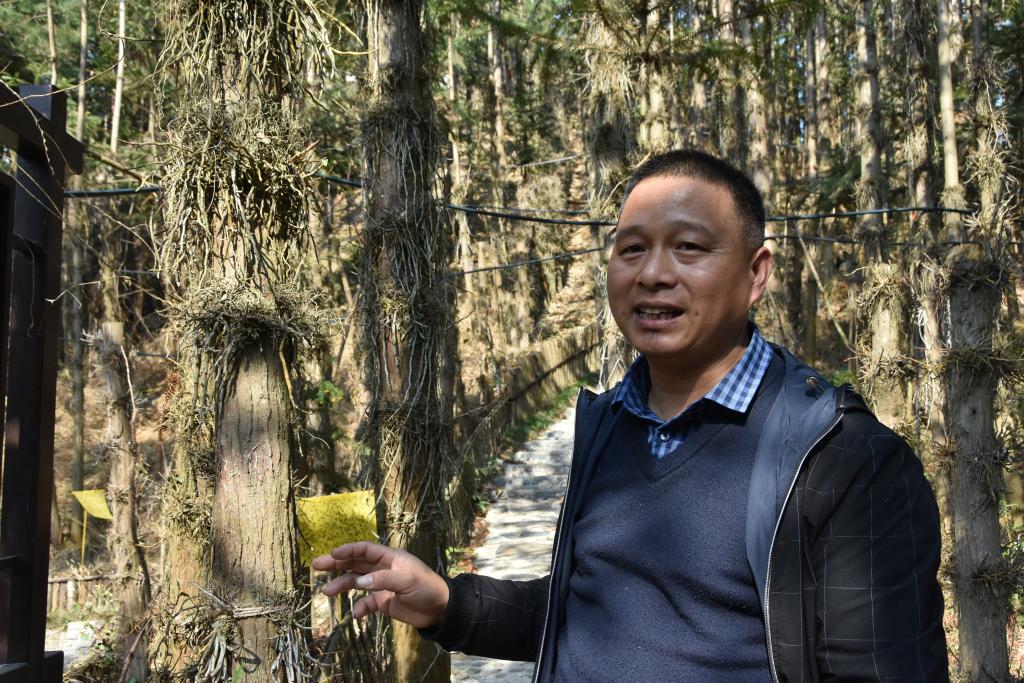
840	377
481	505
536	423
328	394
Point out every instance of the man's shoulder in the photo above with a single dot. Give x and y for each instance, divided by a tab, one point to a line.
858	430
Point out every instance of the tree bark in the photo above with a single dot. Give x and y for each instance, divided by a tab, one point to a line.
949	38
981	576
885	380
130	567
255	555
76	362
497	76
870	187
186	526
406	304
983	580
933	294
920	133
759	162
730	92
823	95
653	135
886	367
609	138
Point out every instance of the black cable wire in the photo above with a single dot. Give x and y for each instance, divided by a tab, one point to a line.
339	180
527	219
516	209
866	212
810	238
528	262
506	212
111	192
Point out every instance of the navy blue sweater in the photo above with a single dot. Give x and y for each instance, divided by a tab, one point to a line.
662	589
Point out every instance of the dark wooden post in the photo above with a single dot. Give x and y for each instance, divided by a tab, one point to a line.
35	127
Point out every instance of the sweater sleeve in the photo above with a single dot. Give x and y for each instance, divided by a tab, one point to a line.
878	602
492	618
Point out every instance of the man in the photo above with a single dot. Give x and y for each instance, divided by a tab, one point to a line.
729	516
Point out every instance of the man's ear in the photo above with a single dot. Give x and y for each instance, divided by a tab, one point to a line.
760	271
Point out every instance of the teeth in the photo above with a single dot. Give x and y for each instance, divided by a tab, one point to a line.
658	313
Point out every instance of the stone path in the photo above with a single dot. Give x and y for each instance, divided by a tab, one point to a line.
75	639
521	527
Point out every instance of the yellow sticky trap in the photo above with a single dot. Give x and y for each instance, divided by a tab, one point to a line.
95	502
325	522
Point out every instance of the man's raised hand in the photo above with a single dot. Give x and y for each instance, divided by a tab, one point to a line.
400	585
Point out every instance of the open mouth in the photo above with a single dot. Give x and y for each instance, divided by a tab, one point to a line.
657	313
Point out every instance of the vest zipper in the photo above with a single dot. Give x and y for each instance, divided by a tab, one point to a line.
551	581
771	548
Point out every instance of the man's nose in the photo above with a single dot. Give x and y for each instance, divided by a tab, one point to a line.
658	270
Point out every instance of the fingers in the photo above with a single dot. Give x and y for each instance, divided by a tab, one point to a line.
366	550
340	584
375	602
383	580
387	580
362	557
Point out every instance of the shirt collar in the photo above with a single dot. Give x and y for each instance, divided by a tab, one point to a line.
735	391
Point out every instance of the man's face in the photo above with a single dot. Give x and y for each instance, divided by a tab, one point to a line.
681	277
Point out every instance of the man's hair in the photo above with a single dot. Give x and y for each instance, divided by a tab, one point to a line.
690	163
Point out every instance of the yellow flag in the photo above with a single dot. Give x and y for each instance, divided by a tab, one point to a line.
325	522
95	503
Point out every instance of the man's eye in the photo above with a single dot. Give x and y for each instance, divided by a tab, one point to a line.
631	249
688	246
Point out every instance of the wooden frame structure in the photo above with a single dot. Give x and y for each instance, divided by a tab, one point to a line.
32	124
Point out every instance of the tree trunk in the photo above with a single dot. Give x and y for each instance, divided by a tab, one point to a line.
920	133
186	524
823	95
933	294
115	119
884	377
730	92
809	345
870	187
983	580
886	369
792	266
758	163
697	136
948	49
51	34
497	77
255	554
653	134
406	305
811	109
77	234
608	139
130	568
981	576
77	238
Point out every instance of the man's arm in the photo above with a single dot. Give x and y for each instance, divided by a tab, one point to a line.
493	618
470	613
879	605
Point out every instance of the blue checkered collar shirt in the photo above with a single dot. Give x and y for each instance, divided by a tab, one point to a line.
734	392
